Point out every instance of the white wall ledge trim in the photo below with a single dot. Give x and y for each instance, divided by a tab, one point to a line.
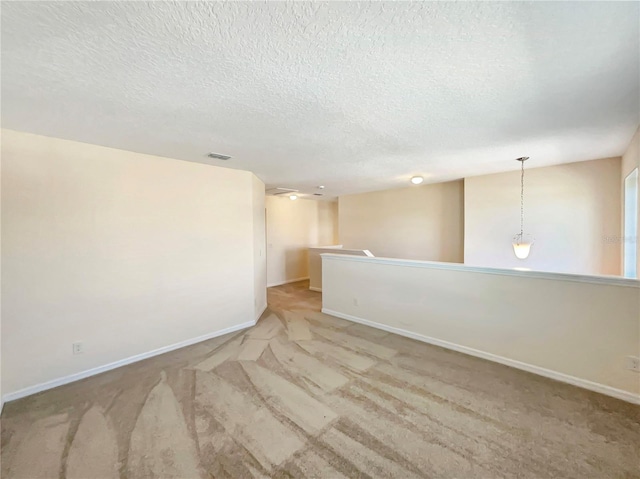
548	373
610	280
342	250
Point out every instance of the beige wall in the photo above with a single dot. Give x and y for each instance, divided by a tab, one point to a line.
259	246
572	210
327	222
1	397
630	161
293	226
580	329
423	222
122	251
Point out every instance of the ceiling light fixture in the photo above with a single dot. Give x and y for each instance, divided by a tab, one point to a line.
293	197
521	242
416	180
321	187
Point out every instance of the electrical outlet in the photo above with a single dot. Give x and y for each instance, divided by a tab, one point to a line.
633	363
78	348
355	301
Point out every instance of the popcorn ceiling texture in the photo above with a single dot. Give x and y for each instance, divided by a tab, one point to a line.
357	96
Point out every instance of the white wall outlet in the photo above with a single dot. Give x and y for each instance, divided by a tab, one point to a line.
355	301
633	363
78	348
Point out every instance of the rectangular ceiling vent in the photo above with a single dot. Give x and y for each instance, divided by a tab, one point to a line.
279	191
217	156
318	194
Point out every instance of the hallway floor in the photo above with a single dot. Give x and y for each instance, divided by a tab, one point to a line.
303	394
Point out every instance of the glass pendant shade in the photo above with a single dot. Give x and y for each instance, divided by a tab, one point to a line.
522	245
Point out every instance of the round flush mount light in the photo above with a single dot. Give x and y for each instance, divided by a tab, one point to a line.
293	197
321	187
416	180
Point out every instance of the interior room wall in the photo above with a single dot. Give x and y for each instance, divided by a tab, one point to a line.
547	323
1	397
124	252
572	210
327	223
315	262
259	246
424	222
630	161
292	227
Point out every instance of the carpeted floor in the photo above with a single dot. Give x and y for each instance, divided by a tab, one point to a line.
303	394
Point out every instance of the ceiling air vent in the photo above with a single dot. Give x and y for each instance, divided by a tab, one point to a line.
217	156
279	191
318	194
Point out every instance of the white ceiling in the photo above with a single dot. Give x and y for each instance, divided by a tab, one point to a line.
355	96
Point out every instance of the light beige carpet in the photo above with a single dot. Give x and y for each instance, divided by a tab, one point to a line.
303	394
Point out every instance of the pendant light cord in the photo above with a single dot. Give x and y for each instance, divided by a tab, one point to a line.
522	201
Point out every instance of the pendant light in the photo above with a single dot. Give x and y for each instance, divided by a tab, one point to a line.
521	242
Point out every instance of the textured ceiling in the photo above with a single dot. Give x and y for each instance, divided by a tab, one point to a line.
355	96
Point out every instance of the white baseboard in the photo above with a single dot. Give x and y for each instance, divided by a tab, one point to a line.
123	362
315	288
264	308
287	282
565	378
